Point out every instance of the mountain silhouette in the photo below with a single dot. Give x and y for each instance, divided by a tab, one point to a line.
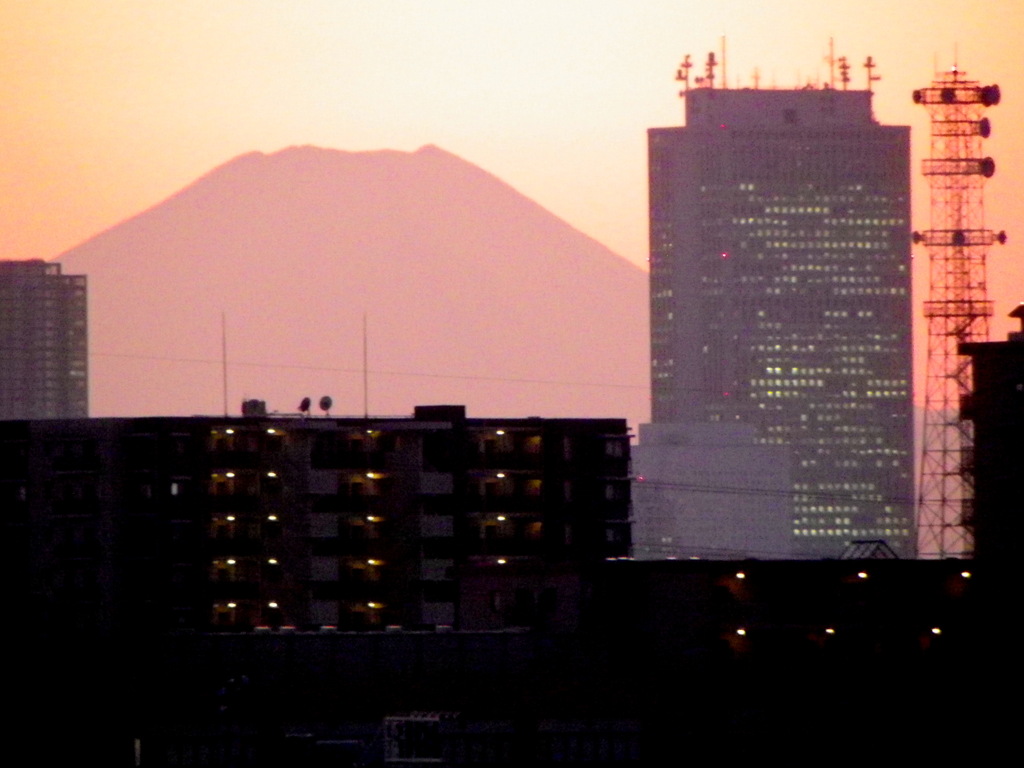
472	293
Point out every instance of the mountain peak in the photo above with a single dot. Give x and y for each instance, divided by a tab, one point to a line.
473	293
433	149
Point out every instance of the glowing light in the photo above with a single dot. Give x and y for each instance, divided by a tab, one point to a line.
232	561
501	474
741	575
272	518
502	518
271	431
862	575
936	630
230	518
741	632
229	431
271	474
272	561
272	604
373	605
232	605
966	574
500	432
502	561
230	474
830	631
371	561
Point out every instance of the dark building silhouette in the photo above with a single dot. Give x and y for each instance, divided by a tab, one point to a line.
142	556
43	342
155	524
996	409
710	657
780	297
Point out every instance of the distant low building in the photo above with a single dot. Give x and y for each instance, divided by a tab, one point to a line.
235	523
695	496
43	342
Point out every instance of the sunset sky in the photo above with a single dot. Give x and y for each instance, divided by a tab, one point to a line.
109	106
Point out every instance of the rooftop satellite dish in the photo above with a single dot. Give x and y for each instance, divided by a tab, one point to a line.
304	405
326	403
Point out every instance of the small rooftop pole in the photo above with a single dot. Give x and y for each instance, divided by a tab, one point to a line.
224	357
366	387
725	81
831	63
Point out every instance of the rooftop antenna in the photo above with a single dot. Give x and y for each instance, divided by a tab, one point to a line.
831	59
683	74
224	357
725	81
844	72
757	78
870	65
709	70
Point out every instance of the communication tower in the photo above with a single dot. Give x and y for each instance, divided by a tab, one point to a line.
957	309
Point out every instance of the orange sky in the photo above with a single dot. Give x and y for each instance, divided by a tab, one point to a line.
109	106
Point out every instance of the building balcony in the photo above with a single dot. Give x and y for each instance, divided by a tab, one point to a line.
323	458
509	504
495	460
502	546
233	503
241	546
234	590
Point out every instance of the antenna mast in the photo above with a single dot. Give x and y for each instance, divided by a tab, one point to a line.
224	357
709	70
831	63
870	66
725	81
957	309
366	378
683	74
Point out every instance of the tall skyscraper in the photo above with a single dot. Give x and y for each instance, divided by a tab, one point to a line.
43	342
780	297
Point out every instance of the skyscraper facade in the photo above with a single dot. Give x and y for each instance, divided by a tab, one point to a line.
43	342
780	297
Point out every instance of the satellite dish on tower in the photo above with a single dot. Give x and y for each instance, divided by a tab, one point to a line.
326	403
304	405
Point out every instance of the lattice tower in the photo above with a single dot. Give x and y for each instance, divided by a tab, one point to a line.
957	309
